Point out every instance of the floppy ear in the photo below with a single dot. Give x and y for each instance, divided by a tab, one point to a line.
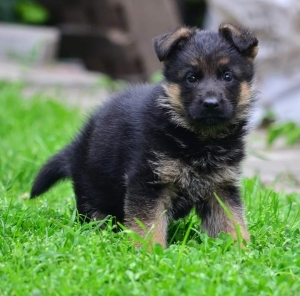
243	40
166	43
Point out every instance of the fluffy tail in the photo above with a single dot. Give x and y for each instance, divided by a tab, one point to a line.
55	169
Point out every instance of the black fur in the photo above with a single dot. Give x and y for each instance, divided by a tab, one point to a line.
56	169
157	147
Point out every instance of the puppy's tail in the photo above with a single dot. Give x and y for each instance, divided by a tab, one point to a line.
55	169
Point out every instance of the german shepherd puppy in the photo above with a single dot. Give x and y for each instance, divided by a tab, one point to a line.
153	152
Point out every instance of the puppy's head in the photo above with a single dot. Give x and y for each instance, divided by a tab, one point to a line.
208	75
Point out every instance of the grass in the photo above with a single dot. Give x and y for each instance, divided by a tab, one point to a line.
288	130
45	251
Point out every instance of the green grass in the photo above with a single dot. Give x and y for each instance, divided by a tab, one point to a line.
45	251
290	131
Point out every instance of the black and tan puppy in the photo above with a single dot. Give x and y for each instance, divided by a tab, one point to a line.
154	152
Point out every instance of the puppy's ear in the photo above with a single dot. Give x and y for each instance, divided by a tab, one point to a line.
167	43
243	40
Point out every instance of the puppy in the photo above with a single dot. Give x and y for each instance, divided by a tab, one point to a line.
153	152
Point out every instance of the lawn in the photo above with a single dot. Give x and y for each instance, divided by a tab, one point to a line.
45	251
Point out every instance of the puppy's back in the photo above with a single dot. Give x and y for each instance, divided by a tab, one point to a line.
105	145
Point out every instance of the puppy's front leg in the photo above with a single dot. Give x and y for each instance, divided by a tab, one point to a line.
214	217
149	208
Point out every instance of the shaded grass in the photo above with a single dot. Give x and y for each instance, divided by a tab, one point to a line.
45	251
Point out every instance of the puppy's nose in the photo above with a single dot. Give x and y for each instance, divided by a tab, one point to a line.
211	103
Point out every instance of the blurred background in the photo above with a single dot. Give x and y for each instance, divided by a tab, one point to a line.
81	50
108	36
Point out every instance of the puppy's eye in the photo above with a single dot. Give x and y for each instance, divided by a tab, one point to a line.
227	76
191	79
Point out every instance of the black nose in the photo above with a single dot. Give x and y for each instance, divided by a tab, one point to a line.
211	103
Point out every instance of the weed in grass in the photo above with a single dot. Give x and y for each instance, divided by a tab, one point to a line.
290	131
44	250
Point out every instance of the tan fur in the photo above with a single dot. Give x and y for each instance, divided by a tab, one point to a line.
219	221
190	178
232	28
174	111
253	53
223	61
159	232
245	101
245	94
183	32
173	92
241	222
194	62
156	225
172	102
230	224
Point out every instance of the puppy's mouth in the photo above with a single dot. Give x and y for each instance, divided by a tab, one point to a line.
210	120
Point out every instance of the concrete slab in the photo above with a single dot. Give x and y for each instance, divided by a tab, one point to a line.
34	43
278	166
66	82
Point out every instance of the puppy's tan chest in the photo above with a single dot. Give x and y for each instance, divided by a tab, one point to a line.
192	179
